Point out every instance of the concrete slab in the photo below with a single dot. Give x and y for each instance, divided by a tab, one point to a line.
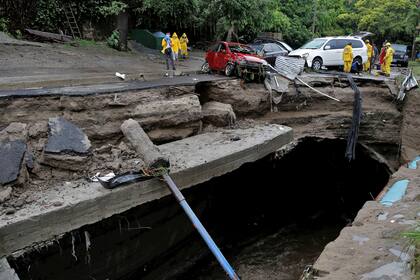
66	137
11	154
111	87
6	272
194	160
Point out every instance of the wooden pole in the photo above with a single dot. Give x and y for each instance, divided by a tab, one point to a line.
143	145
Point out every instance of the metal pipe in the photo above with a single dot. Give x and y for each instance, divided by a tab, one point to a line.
317	91
200	228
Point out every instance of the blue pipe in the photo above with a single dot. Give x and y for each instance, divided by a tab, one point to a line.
200	228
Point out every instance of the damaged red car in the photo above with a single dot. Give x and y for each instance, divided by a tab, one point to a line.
234	59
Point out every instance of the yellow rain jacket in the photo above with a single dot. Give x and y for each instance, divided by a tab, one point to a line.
184	44
164	45
348	54
176	45
389	55
369	51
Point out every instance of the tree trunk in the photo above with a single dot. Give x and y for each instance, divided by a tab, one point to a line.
123	29
314	19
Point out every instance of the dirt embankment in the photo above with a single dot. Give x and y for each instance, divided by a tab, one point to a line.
173	113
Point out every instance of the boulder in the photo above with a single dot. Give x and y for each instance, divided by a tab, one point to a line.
11	156
218	114
65	137
246	99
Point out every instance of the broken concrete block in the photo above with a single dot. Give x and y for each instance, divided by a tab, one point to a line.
65	137
11	155
218	114
5	194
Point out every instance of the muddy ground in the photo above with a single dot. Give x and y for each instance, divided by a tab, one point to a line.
29	66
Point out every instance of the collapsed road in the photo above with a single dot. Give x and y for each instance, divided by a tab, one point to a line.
209	128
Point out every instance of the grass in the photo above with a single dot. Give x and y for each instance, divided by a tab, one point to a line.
415	65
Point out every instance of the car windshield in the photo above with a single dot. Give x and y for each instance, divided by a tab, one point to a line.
314	44
289	48
399	48
241	49
256	47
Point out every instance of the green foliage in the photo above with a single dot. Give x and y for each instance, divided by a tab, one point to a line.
48	15
85	43
297	20
18	34
4	22
386	18
114	40
115	8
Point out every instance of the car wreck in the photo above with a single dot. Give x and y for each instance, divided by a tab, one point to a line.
235	59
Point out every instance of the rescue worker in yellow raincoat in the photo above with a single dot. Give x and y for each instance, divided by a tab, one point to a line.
184	45
366	66
347	57
176	45
389	55
168	52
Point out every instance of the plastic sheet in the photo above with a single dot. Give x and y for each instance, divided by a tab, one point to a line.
395	193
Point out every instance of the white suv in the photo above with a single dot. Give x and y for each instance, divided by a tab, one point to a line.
328	51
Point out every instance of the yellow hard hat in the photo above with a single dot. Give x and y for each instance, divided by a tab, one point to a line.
388	44
366	41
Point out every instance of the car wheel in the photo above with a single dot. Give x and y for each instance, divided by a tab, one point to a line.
317	64
404	64
230	68
205	68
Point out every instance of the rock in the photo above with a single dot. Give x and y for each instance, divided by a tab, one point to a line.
65	137
38	129
168	112
18	203
11	155
67	162
57	203
5	194
246	99
14	131
29	160
218	114
10	211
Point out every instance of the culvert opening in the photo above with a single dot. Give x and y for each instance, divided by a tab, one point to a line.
271	218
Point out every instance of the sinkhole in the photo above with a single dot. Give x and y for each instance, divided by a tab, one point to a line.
271	218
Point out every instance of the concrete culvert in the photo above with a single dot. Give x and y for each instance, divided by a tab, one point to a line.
271	217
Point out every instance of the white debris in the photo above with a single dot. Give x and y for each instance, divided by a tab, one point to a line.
119	75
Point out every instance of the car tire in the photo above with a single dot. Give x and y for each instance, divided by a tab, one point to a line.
317	64
205	68
404	64
229	69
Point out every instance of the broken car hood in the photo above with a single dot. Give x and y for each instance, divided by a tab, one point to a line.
299	52
251	58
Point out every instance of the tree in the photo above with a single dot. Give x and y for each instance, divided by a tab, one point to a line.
412	25
385	18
